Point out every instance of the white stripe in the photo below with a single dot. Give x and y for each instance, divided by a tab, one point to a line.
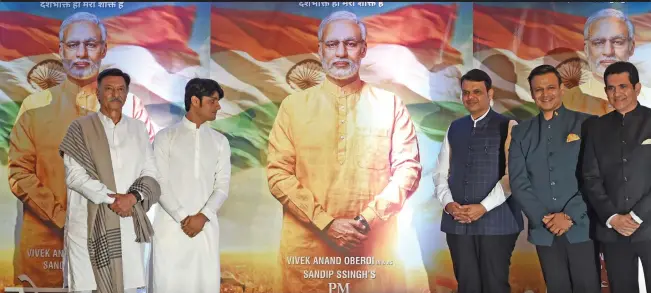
137	61
14	85
523	67
388	66
143	68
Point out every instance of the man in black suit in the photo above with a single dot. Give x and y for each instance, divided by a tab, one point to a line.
617	179
543	160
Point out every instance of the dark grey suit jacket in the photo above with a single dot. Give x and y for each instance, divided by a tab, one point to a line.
544	173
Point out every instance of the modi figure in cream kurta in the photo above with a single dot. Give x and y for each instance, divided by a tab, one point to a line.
36	174
195	169
343	158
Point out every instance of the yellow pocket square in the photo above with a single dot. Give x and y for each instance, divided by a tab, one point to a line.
646	141
572	137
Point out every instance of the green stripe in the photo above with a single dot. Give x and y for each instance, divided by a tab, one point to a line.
8	114
248	132
248	135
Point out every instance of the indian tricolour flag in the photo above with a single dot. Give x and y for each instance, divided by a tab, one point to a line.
510	39
261	53
151	44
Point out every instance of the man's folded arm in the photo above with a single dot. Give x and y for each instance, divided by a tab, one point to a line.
405	169
502	189
593	184
77	179
281	175
521	187
23	182
167	200
221	182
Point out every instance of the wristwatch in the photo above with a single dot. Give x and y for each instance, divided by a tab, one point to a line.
137	195
363	221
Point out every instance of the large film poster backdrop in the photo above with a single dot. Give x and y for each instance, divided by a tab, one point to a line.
260	53
42	90
579	39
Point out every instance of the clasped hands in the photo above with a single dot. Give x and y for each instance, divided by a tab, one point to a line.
465	214
346	234
192	225
123	204
624	224
558	223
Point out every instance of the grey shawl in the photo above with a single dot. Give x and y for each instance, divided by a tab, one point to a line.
86	142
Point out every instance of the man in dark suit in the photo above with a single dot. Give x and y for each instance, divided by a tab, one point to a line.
481	223
543	160
617	179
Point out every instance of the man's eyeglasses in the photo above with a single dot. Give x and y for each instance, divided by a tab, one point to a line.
348	44
617	42
89	45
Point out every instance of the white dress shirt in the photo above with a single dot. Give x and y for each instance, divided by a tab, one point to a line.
131	157
195	169
497	195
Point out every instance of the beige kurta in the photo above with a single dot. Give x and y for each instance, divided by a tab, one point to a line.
335	153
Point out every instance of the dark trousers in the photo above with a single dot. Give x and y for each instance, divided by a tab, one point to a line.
622	265
481	262
570	267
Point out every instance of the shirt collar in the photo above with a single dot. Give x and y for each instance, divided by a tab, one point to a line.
85	97
633	112
480	117
560	112
189	124
108	122
348	89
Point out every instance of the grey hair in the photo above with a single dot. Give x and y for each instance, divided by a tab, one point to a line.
339	15
82	16
608	12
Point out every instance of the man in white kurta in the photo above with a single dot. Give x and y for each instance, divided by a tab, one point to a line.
131	157
193	161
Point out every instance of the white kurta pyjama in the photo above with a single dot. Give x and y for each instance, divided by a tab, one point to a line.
195	169
131	157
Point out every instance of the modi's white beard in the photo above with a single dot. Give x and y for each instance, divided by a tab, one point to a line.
85	73
340	73
596	67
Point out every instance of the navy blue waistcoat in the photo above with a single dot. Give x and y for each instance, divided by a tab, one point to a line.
477	163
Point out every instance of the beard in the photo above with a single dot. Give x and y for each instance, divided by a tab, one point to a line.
84	73
340	73
597	68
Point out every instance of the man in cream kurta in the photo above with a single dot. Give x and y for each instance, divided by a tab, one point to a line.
131	157
195	169
343	159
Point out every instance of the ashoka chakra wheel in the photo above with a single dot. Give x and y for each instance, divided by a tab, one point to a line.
574	71
46	74
305	74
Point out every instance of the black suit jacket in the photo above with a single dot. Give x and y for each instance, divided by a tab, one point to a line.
617	170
